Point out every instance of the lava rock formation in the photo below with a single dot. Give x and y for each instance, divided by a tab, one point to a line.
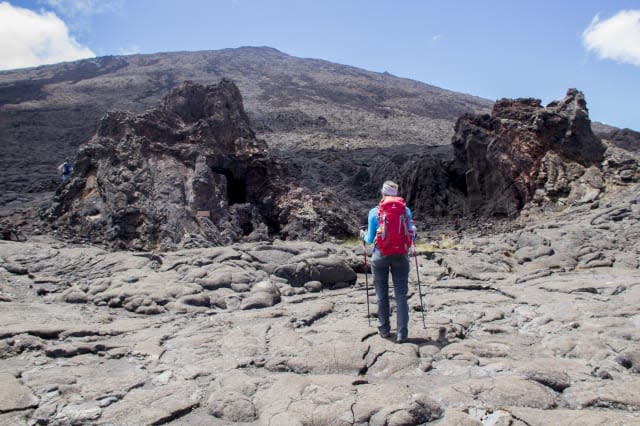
188	173
192	173
524	152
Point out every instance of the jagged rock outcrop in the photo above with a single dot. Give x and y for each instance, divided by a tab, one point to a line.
188	173
524	152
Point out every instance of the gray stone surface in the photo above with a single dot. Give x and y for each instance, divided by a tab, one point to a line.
14	395
532	327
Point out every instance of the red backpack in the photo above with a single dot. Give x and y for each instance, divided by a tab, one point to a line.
394	235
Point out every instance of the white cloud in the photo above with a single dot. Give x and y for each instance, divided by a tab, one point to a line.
616	38
29	39
436	37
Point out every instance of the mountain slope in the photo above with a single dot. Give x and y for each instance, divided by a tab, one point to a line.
46	112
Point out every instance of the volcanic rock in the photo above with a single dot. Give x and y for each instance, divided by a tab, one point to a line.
49	111
504	160
188	173
626	139
528	326
531	326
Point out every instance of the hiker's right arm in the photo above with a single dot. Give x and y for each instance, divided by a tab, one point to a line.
372	220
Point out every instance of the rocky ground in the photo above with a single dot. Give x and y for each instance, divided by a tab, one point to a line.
531	327
523	306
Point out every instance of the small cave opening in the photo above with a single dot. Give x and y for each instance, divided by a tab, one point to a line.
459	181
247	228
236	188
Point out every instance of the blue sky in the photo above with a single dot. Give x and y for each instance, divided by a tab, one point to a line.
491	48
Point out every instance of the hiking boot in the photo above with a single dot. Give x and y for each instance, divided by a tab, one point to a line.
401	339
384	334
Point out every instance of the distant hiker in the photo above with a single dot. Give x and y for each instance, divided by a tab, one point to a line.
391	230
66	169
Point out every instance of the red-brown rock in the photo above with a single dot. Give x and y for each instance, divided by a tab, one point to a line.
502	158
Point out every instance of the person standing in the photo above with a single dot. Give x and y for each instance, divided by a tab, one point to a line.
65	169
391	230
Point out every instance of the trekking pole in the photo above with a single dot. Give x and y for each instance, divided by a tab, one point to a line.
415	256
366	280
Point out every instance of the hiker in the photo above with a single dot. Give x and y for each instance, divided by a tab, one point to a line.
66	169
391	230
